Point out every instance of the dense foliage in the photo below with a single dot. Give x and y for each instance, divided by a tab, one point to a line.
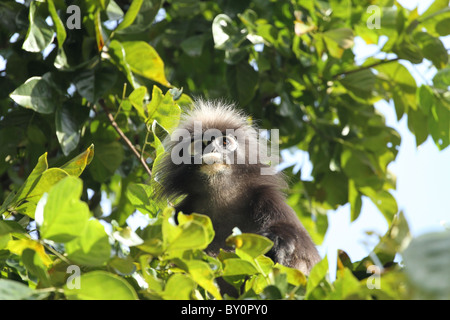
92	87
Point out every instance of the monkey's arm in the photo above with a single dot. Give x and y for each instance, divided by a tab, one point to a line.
293	246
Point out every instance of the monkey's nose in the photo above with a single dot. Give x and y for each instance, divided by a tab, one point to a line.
212	157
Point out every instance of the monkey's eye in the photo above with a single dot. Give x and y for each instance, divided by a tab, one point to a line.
227	142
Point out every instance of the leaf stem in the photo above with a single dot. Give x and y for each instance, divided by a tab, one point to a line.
55	252
365	67
124	137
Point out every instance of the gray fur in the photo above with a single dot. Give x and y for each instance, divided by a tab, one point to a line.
236	195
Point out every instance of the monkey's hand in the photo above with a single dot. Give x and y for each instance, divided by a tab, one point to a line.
285	238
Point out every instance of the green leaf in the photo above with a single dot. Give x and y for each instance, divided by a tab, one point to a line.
401	83
77	165
39	34
354	198
396	239
242	81
35	266
358	167
108	158
418	124
384	201
117	54
201	273
27	204
318	286
164	110
28	185
91	247
426	98
432	49
101	285
65	216
234	267
360	83
442	79
36	94
7	226
427	263
248	245
59	25
131	14
92	84
124	267
345	285
137	100
439	124
67	130
193	46
145	61
194	231
337	40
178	287
14	290
140	197
224	32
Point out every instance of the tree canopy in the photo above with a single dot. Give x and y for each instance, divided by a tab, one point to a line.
91	88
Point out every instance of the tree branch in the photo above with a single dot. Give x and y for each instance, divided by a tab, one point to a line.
365	67
124	137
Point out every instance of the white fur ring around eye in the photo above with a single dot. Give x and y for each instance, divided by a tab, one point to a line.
227	143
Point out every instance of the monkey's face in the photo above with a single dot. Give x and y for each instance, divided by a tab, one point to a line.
214	155
213	148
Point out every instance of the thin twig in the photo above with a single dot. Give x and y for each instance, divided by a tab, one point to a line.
124	137
375	64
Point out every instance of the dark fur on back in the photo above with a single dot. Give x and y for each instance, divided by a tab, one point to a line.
237	195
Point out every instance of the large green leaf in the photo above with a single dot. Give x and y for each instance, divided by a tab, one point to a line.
163	109
108	158
59	25
399	81
145	61
131	14
249	246
242	82
91	247
101	285
77	165
15	290
337	40
193	232
40	34
140	197
65	216
36	94
94	83
67	130
432	49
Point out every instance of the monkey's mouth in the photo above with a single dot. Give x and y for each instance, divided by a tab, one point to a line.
213	158
213	163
